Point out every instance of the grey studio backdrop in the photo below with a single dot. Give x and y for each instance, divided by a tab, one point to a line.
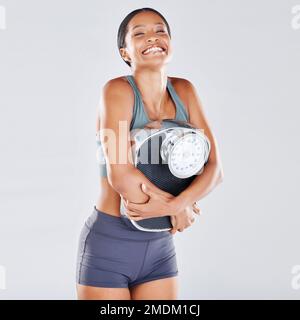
243	57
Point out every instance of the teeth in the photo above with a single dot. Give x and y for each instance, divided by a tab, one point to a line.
153	49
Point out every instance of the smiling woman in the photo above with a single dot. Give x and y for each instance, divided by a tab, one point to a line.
139	30
115	260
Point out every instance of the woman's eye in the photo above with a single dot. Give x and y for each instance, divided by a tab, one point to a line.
143	33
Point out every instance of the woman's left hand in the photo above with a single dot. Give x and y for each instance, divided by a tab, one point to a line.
184	219
159	204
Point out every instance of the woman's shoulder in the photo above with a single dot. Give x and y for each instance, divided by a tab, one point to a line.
119	85
183	88
117	93
120	82
180	83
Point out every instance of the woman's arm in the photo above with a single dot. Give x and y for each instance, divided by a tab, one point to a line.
117	102
213	171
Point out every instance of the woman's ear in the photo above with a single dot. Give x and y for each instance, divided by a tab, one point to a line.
125	55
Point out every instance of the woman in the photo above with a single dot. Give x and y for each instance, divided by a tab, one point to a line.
115	260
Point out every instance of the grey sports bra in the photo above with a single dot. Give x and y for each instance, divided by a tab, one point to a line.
140	117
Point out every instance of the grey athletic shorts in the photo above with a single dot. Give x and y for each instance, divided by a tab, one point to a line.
112	253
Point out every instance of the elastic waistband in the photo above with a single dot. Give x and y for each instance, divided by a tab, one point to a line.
107	216
119	227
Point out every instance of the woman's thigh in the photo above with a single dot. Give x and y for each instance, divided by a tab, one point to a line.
98	293
160	289
158	278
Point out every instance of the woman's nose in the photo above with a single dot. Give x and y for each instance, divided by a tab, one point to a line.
152	37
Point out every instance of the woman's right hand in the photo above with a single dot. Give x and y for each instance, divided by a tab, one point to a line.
184	219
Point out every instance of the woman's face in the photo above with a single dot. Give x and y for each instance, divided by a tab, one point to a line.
147	29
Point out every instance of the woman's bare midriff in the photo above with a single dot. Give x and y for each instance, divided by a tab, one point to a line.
108	199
